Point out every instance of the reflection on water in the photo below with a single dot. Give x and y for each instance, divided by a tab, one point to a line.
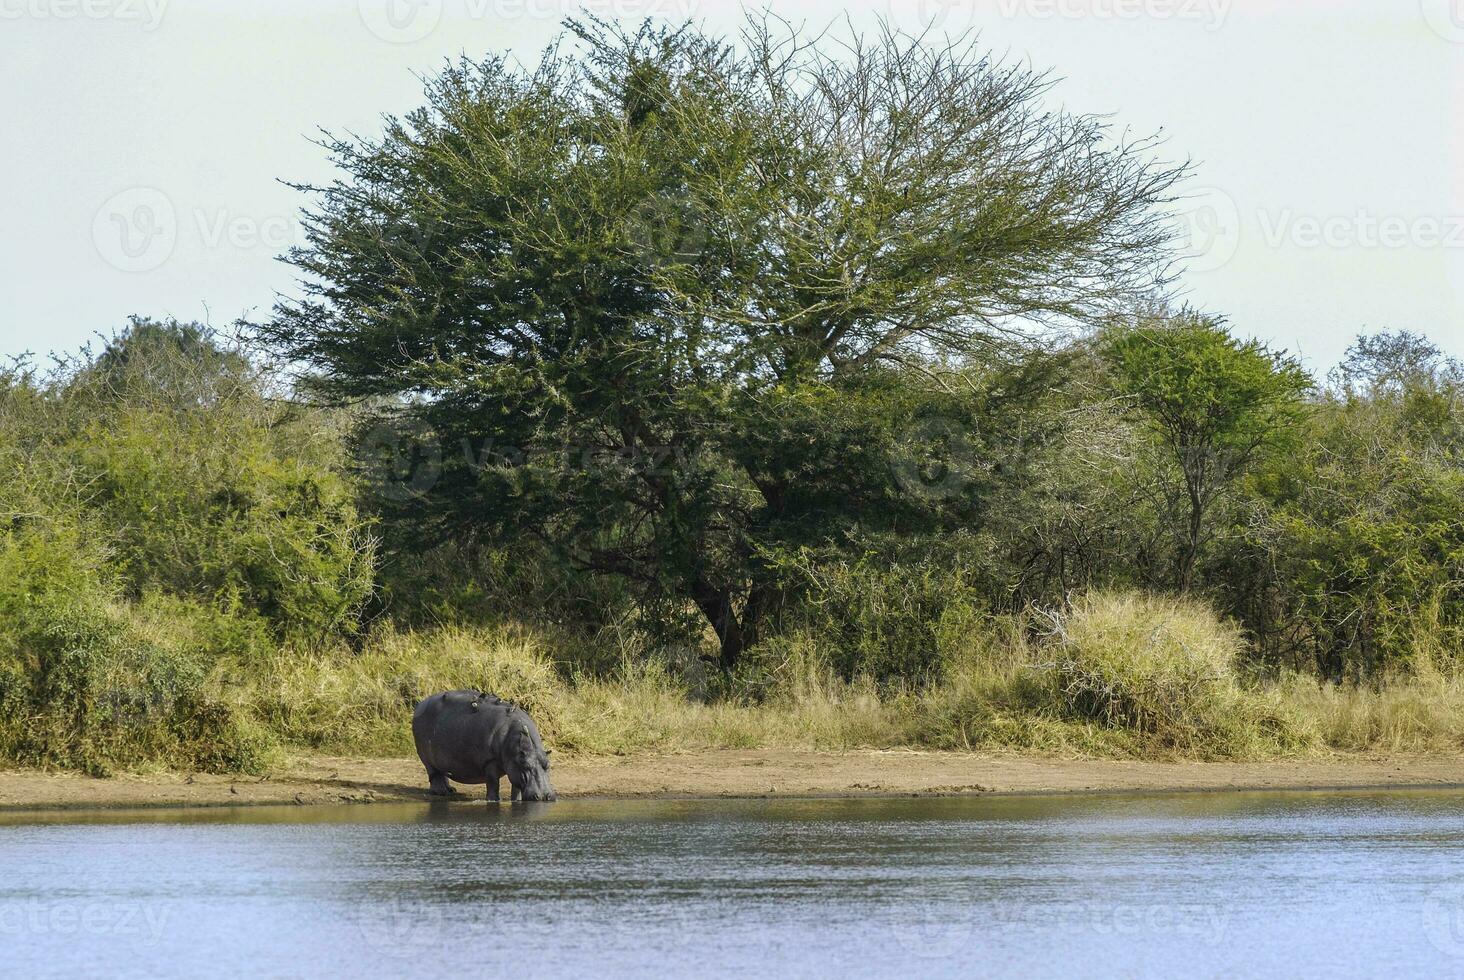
1259	884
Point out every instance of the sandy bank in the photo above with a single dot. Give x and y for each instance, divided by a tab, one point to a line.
750	773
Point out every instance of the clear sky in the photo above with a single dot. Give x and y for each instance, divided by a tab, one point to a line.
144	140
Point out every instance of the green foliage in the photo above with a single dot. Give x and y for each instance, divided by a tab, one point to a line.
1360	536
1214	403
168	447
213	504
884	618
158	513
86	683
649	304
182	568
1205	390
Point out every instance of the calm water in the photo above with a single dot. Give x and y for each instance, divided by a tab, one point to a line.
1254	884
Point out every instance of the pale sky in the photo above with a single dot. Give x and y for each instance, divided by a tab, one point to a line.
144	140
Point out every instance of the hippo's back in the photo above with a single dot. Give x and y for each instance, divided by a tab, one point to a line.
429	712
454	732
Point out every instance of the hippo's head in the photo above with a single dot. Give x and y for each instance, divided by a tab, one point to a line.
528	766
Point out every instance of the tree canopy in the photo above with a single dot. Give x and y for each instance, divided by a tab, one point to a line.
670	305
1213	401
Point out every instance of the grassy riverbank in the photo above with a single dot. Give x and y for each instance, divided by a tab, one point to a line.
197	576
1117	676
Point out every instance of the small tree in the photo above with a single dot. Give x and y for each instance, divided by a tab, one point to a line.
1213	403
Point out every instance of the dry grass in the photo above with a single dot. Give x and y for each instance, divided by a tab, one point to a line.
1404	715
1166	670
1118	676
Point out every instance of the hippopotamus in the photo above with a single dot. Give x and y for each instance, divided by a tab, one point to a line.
475	737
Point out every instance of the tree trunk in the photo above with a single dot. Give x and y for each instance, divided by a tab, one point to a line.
1185	573
1191	553
716	605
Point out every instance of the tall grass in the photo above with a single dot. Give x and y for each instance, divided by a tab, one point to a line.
164	684
1121	676
340	701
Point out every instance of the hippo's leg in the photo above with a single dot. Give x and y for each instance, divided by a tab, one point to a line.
518	794
437	783
493	796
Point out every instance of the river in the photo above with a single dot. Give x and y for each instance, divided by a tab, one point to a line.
1259	884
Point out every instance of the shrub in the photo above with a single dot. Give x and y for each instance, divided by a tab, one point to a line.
84	684
1165	668
1355	545
888	620
208	488
158	512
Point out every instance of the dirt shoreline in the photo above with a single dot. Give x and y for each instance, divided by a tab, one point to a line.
315	780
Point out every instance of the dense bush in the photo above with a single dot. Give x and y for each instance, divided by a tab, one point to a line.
168	446
896	612
91	683
188	578
1356	544
158	513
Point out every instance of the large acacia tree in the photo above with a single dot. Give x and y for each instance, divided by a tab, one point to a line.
671	303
